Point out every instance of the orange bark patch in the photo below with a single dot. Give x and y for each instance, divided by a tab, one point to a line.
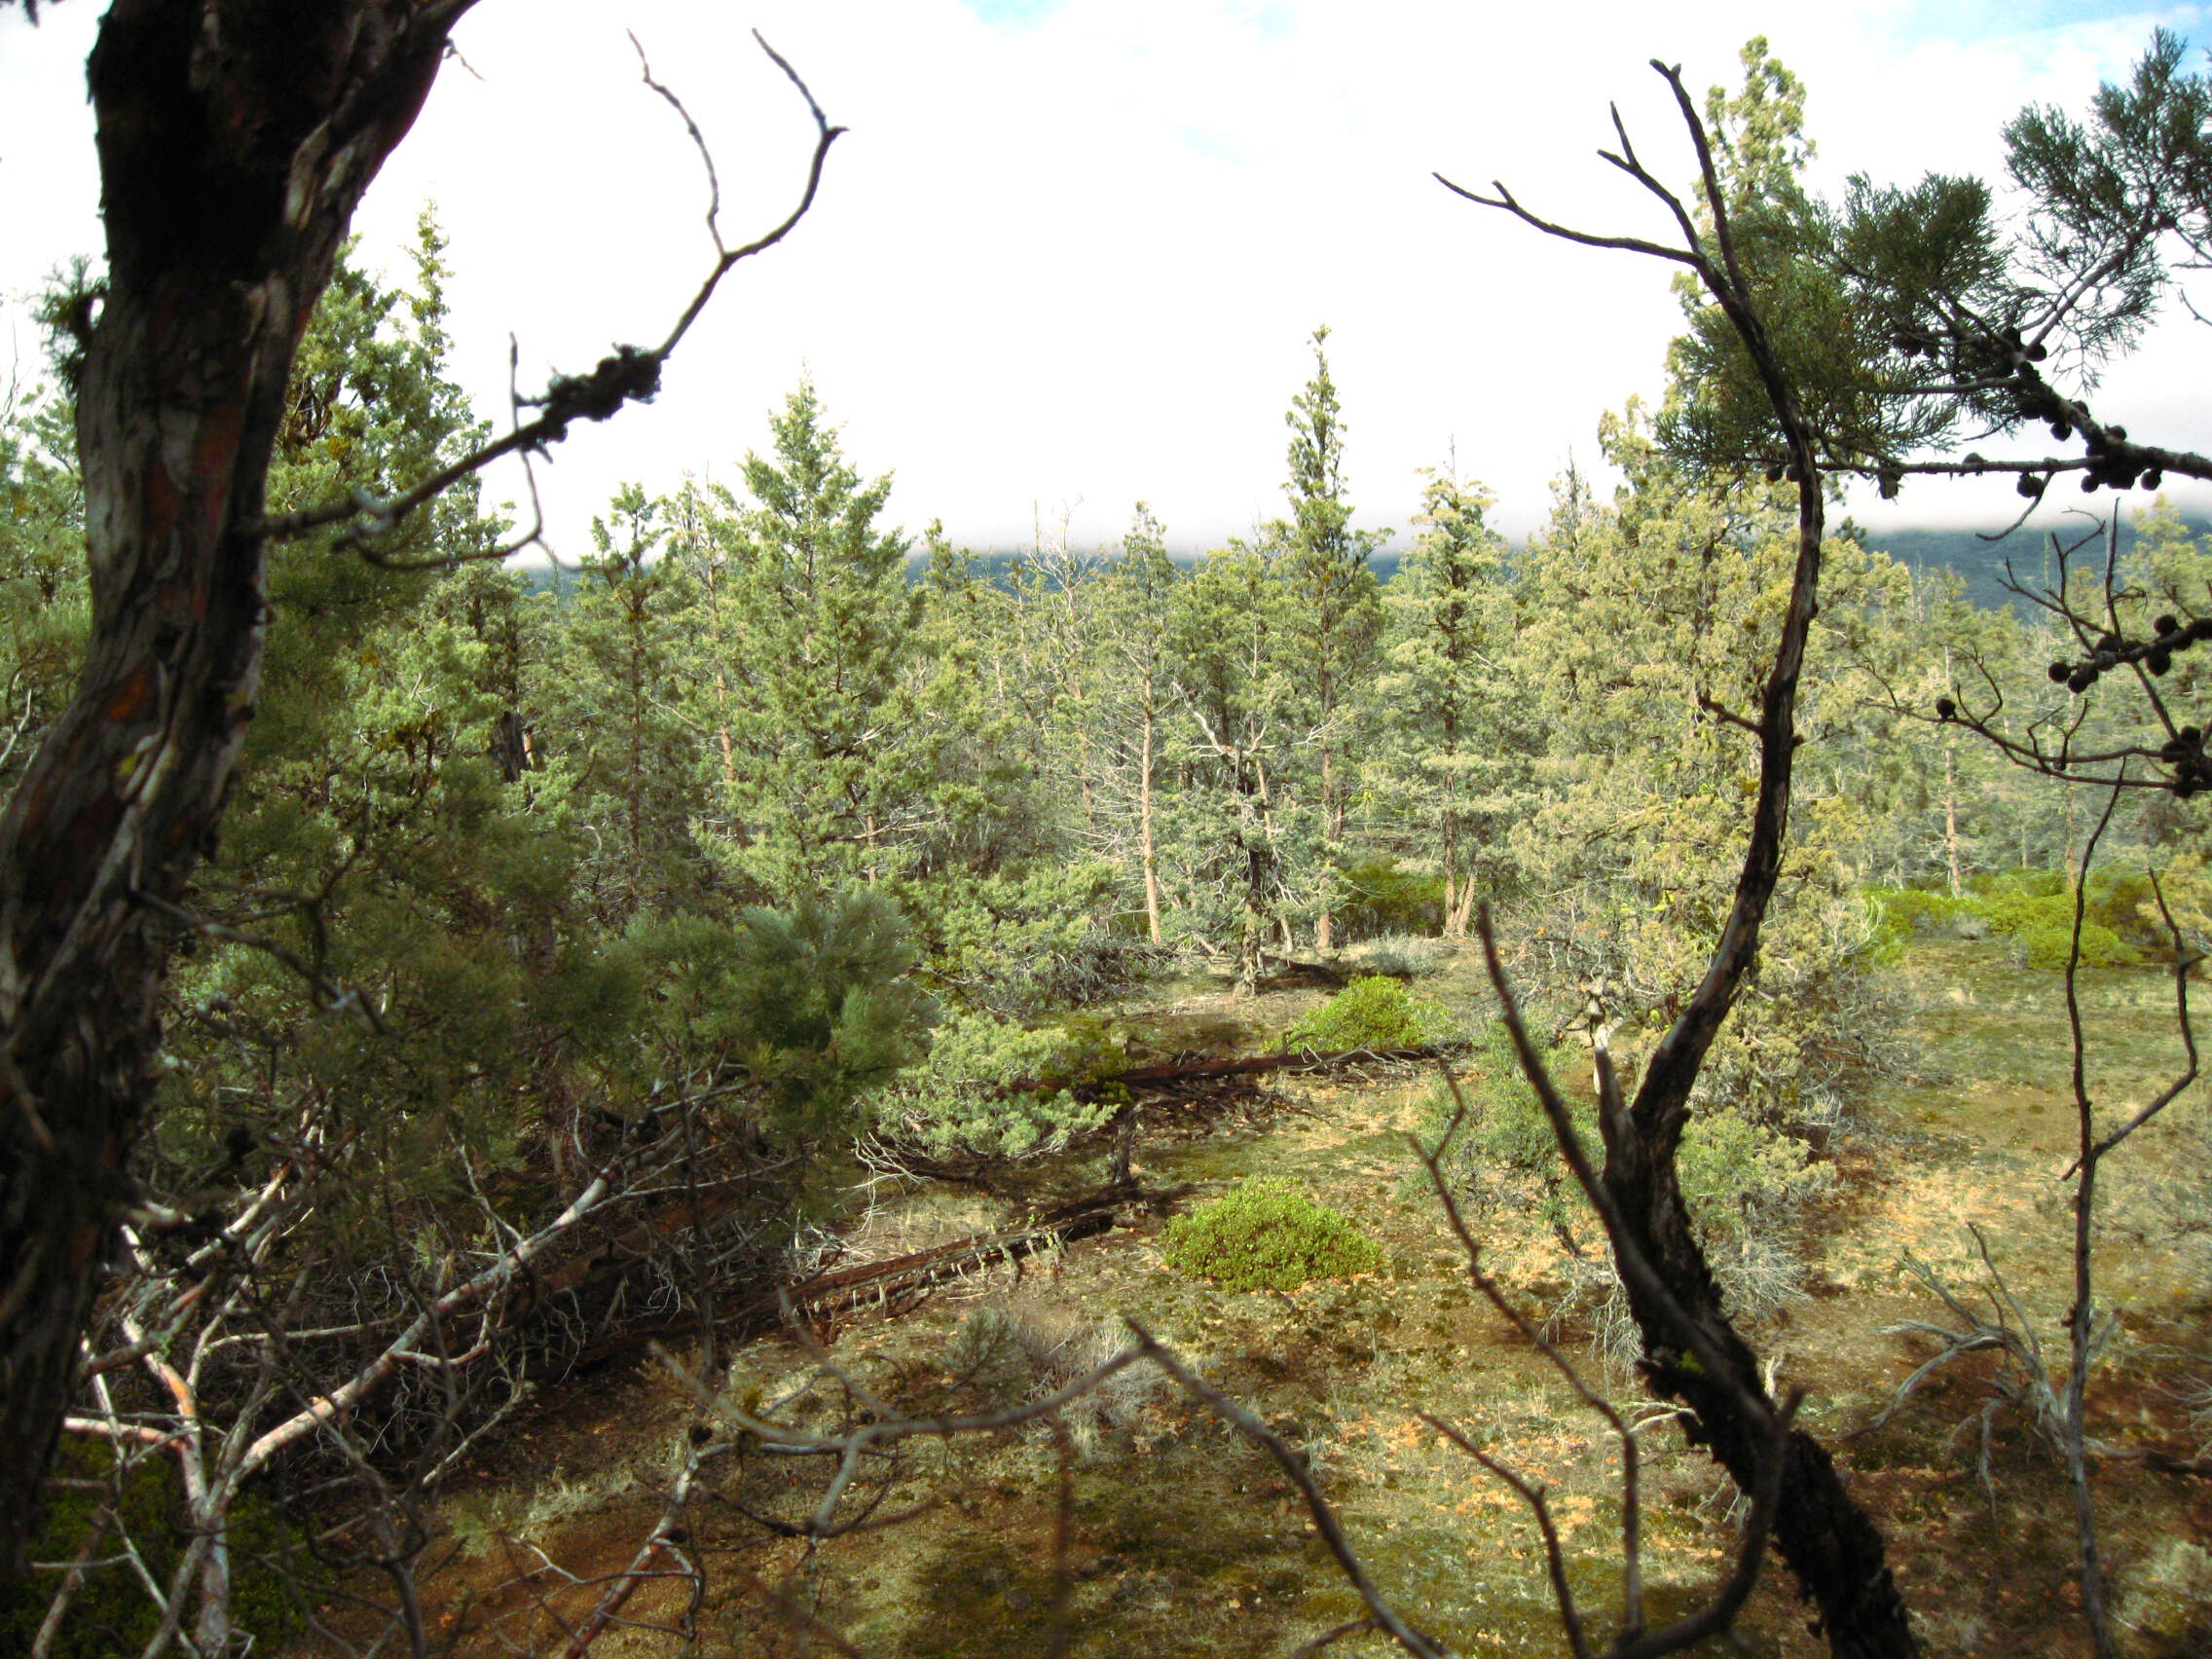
161	500
213	453
132	695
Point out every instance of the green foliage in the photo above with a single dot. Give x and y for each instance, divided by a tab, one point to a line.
807	623
1023	941
2035	910
1741	1179
1455	743
1265	1235
272	1570
615	663
1909	911
1373	1012
815	1002
1504	1141
990	1087
1380	894
1742	1176
1896	314
45	606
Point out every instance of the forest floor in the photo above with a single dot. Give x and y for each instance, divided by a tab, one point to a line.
1179	1538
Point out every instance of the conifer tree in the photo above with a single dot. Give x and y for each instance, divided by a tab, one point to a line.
616	676
1455	743
1247	827
973	756
1335	616
44	604
819	792
1137	619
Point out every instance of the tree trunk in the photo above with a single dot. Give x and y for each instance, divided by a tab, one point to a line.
1951	819
1831	1546
1144	833
235	143
1331	827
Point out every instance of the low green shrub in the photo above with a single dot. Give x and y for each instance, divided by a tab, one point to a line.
1745	1181
2033	908
994	1089
1374	1011
1398	956
1265	1235
1909	913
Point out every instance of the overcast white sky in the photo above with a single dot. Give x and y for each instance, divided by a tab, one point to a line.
1070	251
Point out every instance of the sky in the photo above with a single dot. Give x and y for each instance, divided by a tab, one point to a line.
1069	252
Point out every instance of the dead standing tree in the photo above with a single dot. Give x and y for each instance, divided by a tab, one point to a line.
235	141
1693	1352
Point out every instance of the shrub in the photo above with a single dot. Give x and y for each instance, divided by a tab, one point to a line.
1506	1136
1908	912
991	1087
1006	1354
1745	1183
1265	1235
2035	910
1399	956
1370	1013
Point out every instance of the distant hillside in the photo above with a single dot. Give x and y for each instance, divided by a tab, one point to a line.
1983	563
539	576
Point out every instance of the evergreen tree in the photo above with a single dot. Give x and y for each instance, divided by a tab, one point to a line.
615	678
1136	619
973	756
44	603
819	790
1456	740
1334	616
1246	828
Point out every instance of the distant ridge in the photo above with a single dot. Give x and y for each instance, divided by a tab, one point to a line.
1983	563
1980	563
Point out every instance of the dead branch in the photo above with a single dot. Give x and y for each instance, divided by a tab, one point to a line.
630	374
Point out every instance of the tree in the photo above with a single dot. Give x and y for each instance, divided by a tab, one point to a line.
232	155
1334	614
1454	739
1938	320
1233	679
1915	318
1139	612
817	794
44	606
1693	1352
612	693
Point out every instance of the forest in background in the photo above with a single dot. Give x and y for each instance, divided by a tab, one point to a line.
748	863
472	796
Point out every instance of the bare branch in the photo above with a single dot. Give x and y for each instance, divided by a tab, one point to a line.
629	374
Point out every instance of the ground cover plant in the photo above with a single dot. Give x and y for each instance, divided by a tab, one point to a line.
1374	1011
1266	1234
1183	1538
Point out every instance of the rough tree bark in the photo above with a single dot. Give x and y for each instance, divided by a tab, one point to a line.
236	138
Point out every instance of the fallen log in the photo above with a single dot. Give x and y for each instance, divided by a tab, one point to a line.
846	1289
923	1268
